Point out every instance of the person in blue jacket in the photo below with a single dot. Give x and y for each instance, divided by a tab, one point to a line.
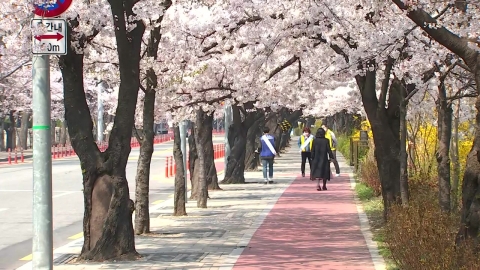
267	154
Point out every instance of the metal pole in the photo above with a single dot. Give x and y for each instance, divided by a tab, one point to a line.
42	247
100	111
228	122
183	147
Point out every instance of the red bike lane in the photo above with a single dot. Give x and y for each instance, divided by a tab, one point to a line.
310	229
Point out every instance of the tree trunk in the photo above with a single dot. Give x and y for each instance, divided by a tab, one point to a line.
11	136
24	129
107	225
237	138
194	163
234	172
444	133
210	169
63	133
454	154
386	132
252	159
179	195
18	123
404	192
201	140
142	180
53	132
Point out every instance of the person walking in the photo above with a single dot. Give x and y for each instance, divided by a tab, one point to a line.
333	144
321	157
305	143
267	154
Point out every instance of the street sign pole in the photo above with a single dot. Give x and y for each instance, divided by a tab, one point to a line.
183	147
42	244
49	39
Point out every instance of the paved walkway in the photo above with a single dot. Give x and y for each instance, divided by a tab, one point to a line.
310	229
286	225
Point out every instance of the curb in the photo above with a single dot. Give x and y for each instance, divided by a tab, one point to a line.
377	259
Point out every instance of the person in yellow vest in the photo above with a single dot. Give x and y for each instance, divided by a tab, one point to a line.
305	143
333	144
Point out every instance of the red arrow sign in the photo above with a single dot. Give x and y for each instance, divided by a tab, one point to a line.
56	36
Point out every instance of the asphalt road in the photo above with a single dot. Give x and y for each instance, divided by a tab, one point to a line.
16	201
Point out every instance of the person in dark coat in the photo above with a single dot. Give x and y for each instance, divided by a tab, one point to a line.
321	156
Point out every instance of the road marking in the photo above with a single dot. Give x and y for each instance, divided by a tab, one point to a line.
158	202
63	194
27	258
76	236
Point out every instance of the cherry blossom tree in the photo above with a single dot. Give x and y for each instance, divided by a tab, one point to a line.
459	33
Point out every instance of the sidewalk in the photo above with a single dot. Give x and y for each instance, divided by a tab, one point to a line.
286	225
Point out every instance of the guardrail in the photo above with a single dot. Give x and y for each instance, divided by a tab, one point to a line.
18	156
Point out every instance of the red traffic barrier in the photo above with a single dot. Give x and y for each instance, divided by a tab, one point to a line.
21	155
166	167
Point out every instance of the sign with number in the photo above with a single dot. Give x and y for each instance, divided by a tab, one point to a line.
51	10
50	36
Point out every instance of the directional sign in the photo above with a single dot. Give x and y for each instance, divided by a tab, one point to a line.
49	36
50	10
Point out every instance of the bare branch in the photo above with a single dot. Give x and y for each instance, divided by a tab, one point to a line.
11	72
288	63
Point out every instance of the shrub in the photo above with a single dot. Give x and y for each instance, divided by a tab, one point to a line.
344	146
368	171
421	236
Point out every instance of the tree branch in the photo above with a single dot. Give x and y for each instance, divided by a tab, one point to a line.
442	35
385	83
288	63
